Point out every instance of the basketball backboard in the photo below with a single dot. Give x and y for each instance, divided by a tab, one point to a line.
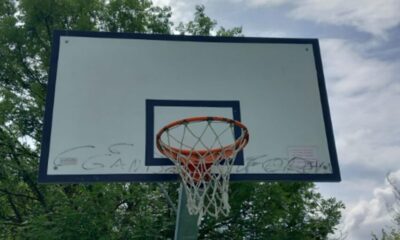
110	93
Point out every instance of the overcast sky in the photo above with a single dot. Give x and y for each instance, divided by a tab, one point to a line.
361	57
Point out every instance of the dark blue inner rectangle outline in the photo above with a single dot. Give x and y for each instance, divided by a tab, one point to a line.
151	104
44	177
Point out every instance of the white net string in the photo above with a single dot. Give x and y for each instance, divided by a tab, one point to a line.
204	153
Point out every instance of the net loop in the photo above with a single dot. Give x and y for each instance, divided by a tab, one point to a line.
203	150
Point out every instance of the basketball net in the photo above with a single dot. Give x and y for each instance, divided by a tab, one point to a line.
203	150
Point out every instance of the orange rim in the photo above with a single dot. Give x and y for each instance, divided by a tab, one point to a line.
194	155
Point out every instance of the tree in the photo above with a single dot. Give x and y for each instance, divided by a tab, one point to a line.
204	25
29	210
114	210
275	211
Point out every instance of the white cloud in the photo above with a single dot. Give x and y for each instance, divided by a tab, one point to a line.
258	3
367	216
364	94
355	72
269	33
371	16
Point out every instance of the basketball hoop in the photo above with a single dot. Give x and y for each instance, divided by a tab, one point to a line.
203	150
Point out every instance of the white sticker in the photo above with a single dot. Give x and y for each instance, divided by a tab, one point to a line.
309	153
68	161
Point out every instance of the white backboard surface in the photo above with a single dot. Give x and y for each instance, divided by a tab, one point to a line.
110	93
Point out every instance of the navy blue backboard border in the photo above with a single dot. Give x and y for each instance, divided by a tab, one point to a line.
46	136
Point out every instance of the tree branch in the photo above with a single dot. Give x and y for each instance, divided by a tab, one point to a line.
14	208
32	184
13	223
17	194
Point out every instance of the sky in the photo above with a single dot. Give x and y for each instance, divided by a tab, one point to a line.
361	56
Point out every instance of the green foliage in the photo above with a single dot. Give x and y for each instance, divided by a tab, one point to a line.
275	211
204	25
114	211
135	16
103	211
236	31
